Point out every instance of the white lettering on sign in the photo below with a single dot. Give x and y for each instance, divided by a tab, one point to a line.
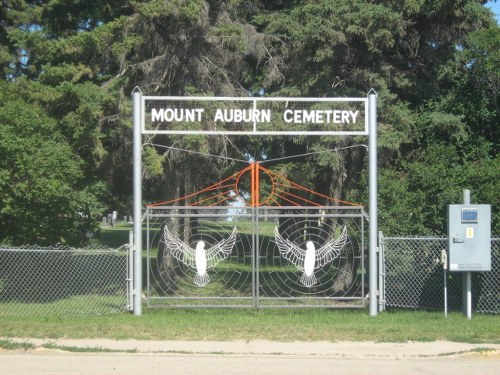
326	116
242	115
176	114
238	115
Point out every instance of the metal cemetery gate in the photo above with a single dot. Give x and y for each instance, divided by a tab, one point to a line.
238	256
253	255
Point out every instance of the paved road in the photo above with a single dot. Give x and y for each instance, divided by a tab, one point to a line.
258	357
51	362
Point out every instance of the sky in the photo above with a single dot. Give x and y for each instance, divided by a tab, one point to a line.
495	7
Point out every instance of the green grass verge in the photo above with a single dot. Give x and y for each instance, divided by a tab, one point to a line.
249	324
77	349
15	345
265	324
11	345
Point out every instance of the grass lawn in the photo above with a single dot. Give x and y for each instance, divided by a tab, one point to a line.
265	324
113	237
250	324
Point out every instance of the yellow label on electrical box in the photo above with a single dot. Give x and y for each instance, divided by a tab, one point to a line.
470	232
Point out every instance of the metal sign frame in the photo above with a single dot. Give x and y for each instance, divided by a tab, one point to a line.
370	130
254	101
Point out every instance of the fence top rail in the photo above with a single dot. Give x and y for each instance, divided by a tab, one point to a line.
416	238
62	249
493	238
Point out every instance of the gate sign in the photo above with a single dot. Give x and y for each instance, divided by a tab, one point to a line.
254	116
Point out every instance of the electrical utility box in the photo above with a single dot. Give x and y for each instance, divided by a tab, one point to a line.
469	237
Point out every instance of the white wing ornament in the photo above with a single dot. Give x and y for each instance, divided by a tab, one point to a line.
310	259
199	259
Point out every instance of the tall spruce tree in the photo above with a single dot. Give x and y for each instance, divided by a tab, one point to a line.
433	64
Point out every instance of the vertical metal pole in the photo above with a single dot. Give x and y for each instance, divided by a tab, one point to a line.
148	258
467	276
372	170
256	229
255	255
445	294
137	187
444	261
381	284
363	253
257	184
466	196
255	117
467	284
130	271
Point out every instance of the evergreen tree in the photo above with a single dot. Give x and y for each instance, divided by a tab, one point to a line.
434	65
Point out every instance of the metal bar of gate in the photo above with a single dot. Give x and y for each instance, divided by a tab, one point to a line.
255	256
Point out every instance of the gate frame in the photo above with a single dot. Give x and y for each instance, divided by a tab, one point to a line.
256	300
370	130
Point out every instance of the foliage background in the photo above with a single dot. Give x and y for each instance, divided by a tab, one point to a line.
68	68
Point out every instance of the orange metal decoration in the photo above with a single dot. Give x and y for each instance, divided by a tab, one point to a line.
282	189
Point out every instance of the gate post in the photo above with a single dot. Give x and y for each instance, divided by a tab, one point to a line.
372	170
137	187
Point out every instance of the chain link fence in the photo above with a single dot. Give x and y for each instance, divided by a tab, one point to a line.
61	281
413	276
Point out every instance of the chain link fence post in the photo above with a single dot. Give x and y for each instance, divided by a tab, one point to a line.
381	272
